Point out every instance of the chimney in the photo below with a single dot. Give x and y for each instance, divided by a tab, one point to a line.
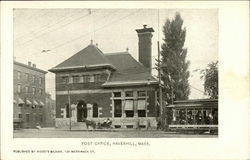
29	63
34	65
145	46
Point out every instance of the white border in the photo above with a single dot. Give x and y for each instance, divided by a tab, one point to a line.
233	141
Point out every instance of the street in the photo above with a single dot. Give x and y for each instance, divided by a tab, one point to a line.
56	133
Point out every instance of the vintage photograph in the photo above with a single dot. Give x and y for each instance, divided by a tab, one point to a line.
115	73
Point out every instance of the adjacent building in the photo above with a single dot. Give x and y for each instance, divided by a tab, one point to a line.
94	85
29	95
50	111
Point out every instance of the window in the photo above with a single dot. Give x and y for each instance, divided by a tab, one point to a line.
33	78
33	90
141	108
36	118
129	113
41	118
70	79
20	105
141	113
18	88
129	126
86	78
40	80
95	110
118	108
129	93
80	79
97	78
40	106
75	79
129	104
117	126
117	94
40	92
18	75
91	79
129	108
26	89
27	117
20	115
141	94
27	77
65	80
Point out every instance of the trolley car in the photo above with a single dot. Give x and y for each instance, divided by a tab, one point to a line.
198	116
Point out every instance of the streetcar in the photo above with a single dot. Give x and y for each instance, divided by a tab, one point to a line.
197	116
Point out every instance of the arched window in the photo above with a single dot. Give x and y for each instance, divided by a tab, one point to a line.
95	110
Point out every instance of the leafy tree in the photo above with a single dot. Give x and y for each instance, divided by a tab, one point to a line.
210	76
174	65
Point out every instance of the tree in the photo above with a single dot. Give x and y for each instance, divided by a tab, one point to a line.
210	76
174	65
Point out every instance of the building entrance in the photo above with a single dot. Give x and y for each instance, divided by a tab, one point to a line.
81	111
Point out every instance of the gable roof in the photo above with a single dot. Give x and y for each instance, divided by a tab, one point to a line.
128	71
89	57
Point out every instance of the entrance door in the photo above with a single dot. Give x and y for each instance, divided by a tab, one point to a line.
81	111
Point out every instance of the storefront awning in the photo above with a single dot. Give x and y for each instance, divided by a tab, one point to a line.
141	104
20	101
129	105
35	103
28	102
41	103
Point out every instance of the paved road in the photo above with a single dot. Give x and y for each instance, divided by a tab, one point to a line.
56	133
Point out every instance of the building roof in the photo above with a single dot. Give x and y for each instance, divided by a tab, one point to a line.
129	71
125	69
89	57
29	67
195	103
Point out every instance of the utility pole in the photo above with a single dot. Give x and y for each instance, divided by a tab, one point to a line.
172	94
69	107
159	75
160	89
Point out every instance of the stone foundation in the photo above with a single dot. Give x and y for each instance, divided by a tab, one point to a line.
145	122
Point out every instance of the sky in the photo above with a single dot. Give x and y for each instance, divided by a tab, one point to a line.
64	32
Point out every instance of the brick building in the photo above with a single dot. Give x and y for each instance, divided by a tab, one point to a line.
111	85
29	95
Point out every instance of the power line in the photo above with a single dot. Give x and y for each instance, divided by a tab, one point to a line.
62	26
68	42
72	40
44	27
